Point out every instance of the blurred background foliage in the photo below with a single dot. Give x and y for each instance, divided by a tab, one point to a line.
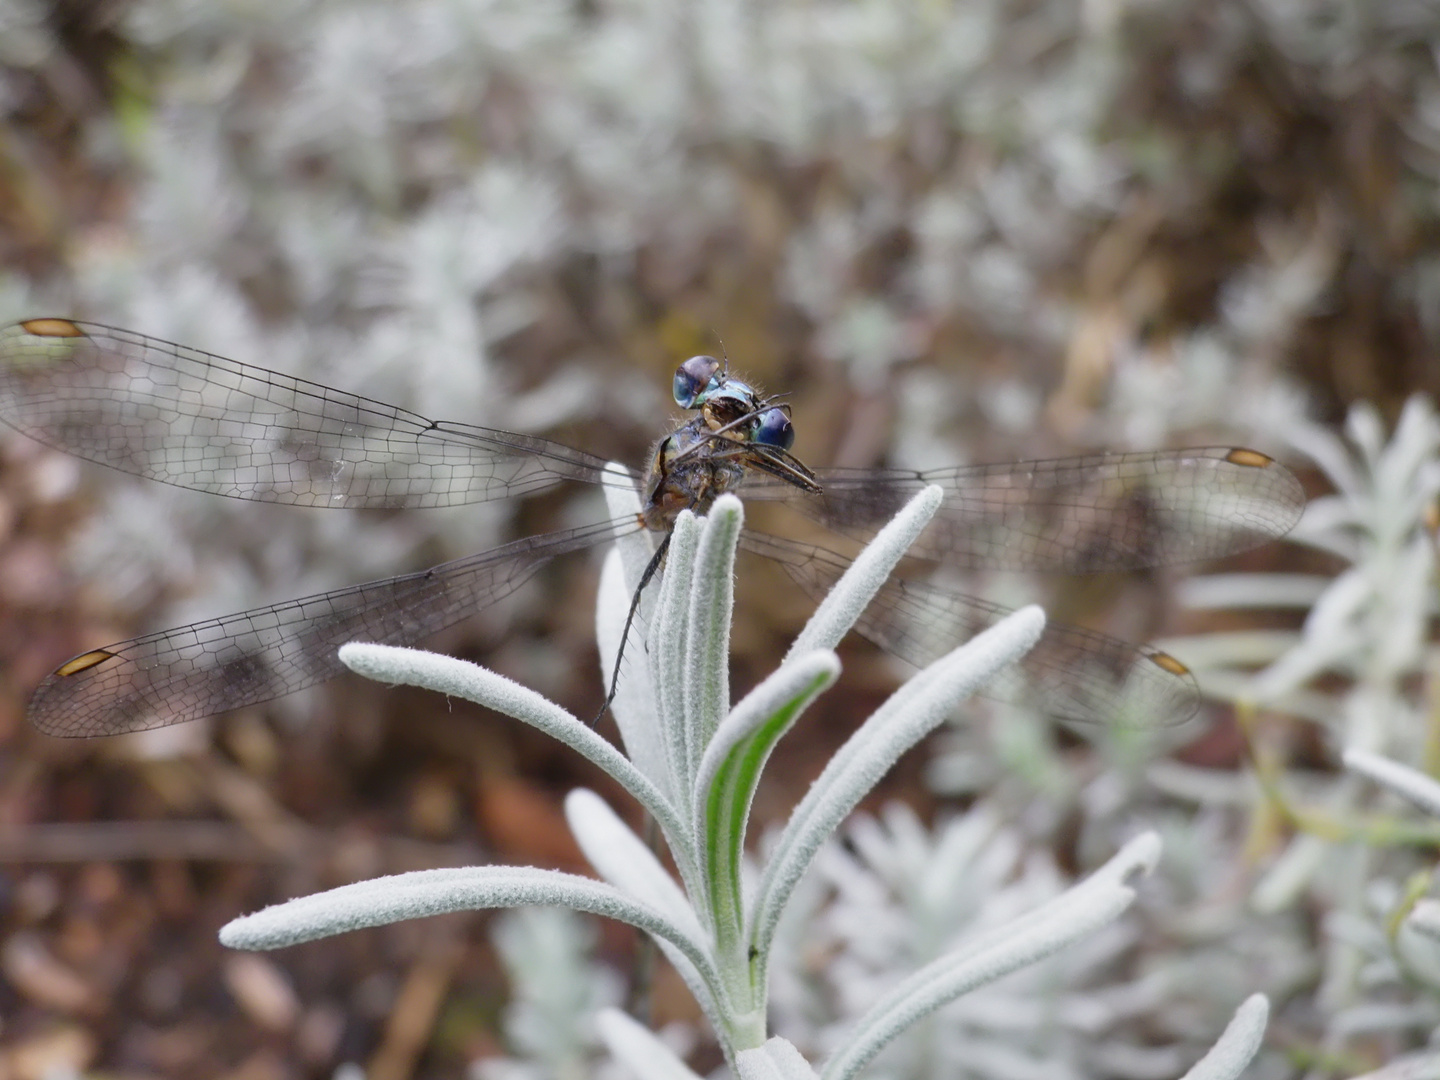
951	231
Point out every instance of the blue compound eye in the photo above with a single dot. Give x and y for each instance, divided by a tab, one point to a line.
773	428
693	378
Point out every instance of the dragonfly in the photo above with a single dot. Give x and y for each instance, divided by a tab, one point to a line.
192	419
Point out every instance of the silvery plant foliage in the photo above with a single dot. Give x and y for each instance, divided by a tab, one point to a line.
556	991
1348	666
1356	677
894	893
1400	944
1359	671
693	762
1362	671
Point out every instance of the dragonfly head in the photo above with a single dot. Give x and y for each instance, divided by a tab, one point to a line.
696	379
731	408
772	427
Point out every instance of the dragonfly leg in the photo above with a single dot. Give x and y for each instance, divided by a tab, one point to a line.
650	569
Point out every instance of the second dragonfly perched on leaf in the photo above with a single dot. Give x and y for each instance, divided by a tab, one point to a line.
200	421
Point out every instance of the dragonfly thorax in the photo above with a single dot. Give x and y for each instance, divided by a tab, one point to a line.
689	469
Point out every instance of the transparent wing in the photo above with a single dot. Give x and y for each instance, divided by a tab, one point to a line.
186	417
1072	674
253	656
1074	515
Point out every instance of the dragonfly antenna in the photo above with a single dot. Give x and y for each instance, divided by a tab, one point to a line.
723	357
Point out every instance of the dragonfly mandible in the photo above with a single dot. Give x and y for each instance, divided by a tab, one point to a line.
199	421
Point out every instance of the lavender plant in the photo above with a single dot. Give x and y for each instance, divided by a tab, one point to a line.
556	990
694	765
1401	941
1298	838
1257	858
895	893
